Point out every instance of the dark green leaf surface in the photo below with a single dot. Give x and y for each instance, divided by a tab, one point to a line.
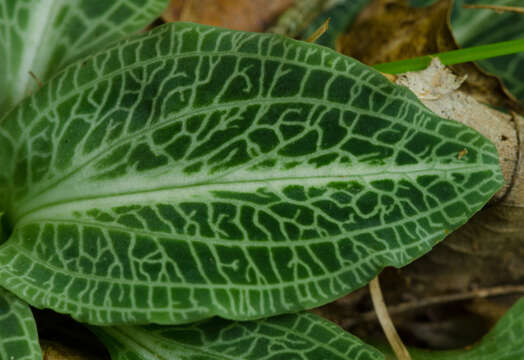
18	336
196	171
42	36
292	337
473	27
504	342
341	14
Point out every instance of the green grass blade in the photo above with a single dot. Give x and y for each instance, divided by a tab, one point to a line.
454	57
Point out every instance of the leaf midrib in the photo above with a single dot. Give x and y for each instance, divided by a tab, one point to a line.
379	173
207	109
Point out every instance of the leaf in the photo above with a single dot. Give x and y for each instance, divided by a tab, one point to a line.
196	171
18	336
503	342
42	36
296	337
473	27
341	14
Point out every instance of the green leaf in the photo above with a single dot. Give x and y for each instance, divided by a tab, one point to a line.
472	27
3	235
18	336
42	36
196	171
503	342
294	337
341	14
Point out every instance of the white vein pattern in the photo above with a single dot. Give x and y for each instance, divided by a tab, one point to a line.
18	335
42	36
302	336
195	171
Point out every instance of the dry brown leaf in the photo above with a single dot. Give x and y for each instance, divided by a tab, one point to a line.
390	30
247	15
56	351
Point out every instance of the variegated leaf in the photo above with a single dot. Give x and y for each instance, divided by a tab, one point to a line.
18	336
42	36
195	171
294	337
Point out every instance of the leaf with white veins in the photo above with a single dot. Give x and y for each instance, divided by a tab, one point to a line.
302	336
18	336
196	171
42	36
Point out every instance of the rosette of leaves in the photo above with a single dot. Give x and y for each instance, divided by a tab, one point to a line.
193	171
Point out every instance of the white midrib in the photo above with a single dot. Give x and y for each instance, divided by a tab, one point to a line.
191	191
43	14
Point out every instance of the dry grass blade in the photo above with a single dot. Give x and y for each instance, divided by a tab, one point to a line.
497	8
385	321
319	32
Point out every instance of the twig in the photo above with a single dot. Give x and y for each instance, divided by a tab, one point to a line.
33	75
319	32
435	300
385	321
497	8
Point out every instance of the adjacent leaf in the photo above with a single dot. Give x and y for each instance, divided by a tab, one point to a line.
473	27
42	36
2	230
196	171
18	336
504	342
341	14
297	337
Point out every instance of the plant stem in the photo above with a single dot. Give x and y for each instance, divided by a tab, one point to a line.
453	57
497	8
385	321
437	300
